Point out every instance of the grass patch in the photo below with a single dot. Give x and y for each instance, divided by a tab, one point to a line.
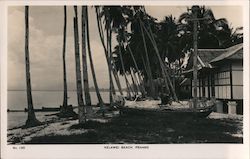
150	129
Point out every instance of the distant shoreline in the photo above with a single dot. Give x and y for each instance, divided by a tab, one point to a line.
43	109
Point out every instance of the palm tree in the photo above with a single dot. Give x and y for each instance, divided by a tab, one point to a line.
139	42
123	68
212	33
141	26
115	21
108	56
64	111
31	121
236	37
117	18
152	87
65	93
169	40
84	58
129	58
109	48
81	110
92	66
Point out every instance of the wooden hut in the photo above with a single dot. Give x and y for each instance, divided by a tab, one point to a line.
220	75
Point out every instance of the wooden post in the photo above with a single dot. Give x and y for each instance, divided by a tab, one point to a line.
65	92
194	11
208	86
231	81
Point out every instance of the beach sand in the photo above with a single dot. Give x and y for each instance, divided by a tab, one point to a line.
221	128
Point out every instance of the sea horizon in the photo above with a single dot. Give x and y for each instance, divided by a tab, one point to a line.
17	100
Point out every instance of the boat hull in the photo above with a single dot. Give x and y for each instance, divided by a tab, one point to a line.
183	113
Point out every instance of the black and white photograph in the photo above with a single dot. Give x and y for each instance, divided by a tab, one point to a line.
125	76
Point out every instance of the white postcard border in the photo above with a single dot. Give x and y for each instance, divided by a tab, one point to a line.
187	151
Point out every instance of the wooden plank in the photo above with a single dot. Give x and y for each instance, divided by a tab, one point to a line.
231	81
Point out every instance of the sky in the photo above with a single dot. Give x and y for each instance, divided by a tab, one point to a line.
46	41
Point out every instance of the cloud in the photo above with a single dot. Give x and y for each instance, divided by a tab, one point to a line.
46	52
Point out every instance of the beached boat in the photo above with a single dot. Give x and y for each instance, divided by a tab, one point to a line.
176	109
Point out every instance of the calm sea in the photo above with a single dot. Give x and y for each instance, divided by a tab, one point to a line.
17	100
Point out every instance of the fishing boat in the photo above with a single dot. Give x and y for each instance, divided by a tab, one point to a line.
176	109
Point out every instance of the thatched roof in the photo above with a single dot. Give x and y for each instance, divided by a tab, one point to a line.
234	52
208	57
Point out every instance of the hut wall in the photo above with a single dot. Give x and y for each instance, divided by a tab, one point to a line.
227	81
222	86
237	80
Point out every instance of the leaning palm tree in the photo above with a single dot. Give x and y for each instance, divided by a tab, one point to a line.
108	58
81	109
135	65
109	48
152	87
84	58
111	67
139	39
31	121
92	66
115	21
164	69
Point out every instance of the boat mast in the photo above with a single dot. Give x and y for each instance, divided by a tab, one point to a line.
195	23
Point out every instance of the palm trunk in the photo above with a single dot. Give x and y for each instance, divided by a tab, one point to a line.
139	88
65	91
135	86
141	84
84	59
137	70
92	66
135	64
31	121
152	88
145	69
114	71
109	61
123	69
81	112
144	64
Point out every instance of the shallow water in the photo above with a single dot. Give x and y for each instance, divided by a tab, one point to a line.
16	119
17	101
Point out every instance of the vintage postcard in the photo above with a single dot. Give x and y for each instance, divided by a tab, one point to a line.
124	79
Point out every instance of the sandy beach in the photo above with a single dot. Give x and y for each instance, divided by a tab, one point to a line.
219	128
